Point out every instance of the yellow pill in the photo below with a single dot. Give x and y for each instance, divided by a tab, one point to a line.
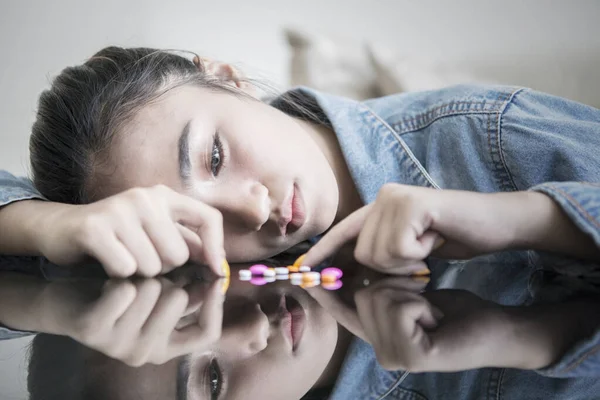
299	261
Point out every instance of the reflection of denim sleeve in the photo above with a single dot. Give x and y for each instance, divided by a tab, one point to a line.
552	145
14	189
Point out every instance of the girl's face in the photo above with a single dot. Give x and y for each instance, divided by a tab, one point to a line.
254	359
262	169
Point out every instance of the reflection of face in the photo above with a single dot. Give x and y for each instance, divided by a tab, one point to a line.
254	353
258	166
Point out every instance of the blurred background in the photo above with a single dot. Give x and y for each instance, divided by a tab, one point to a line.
354	48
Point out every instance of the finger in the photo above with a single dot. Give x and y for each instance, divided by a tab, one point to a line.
116	298
168	242
371	240
410	269
400	284
116	259
207	330
337	236
194	244
207	222
365	313
141	247
132	321
342	313
426	243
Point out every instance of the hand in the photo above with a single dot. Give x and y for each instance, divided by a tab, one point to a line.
143	231
136	323
444	330
406	224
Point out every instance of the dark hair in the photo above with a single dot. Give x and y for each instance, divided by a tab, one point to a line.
87	105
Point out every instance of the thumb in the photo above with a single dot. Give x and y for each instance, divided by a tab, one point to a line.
427	243
340	234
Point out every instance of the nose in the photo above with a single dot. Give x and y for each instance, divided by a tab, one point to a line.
246	204
247	334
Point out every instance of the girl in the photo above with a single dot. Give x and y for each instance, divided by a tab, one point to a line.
279	174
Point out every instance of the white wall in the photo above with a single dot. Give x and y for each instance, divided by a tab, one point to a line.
38	38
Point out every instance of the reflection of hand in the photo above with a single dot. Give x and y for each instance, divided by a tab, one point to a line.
444	330
135	322
137	232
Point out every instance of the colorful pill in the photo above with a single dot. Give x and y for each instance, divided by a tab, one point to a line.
292	268
333	271
328	278
245	274
269	273
332	285
281	271
299	261
258	281
258	269
304	268
305	284
311	276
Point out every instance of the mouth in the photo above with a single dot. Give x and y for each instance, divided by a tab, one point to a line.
293	212
293	320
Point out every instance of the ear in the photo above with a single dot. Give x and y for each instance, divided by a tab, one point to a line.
225	72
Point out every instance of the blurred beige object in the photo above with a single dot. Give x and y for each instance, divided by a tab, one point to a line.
363	70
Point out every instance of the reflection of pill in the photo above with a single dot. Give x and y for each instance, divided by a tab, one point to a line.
296	275
281	271
332	285
333	271
304	268
328	278
258	269
309	284
282	277
258	281
245	274
269	279
296	282
269	273
311	276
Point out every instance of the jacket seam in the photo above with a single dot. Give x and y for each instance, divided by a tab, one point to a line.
576	204
500	137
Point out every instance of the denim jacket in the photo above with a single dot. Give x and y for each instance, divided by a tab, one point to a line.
486	139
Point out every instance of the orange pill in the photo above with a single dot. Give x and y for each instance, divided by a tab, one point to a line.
329	278
293	268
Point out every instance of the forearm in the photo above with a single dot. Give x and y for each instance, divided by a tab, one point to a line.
19	224
540	224
20	301
544	333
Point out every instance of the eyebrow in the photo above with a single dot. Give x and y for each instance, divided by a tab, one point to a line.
185	165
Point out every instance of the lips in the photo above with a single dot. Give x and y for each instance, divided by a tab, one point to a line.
293	212
293	320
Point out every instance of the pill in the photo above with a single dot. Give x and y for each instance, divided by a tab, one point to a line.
281	271
296	276
269	279
311	276
333	271
245	274
225	285
332	285
282	277
269	273
304	268
292	268
299	260
258	269
296	282
328	278
258	281
245	278
310	284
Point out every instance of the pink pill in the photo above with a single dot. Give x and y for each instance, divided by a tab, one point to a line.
333	271
258	269
332	285
259	281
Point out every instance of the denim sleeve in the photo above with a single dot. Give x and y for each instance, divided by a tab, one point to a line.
15	189
552	145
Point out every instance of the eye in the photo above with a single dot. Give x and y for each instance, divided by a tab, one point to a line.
215	379
216	157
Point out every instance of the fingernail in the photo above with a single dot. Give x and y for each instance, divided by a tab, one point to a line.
422	272
424	279
225	269
299	260
439	243
225	285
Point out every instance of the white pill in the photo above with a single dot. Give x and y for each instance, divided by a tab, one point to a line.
245	278
269	273
313	276
296	276
282	277
282	271
296	282
304	268
269	279
245	273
